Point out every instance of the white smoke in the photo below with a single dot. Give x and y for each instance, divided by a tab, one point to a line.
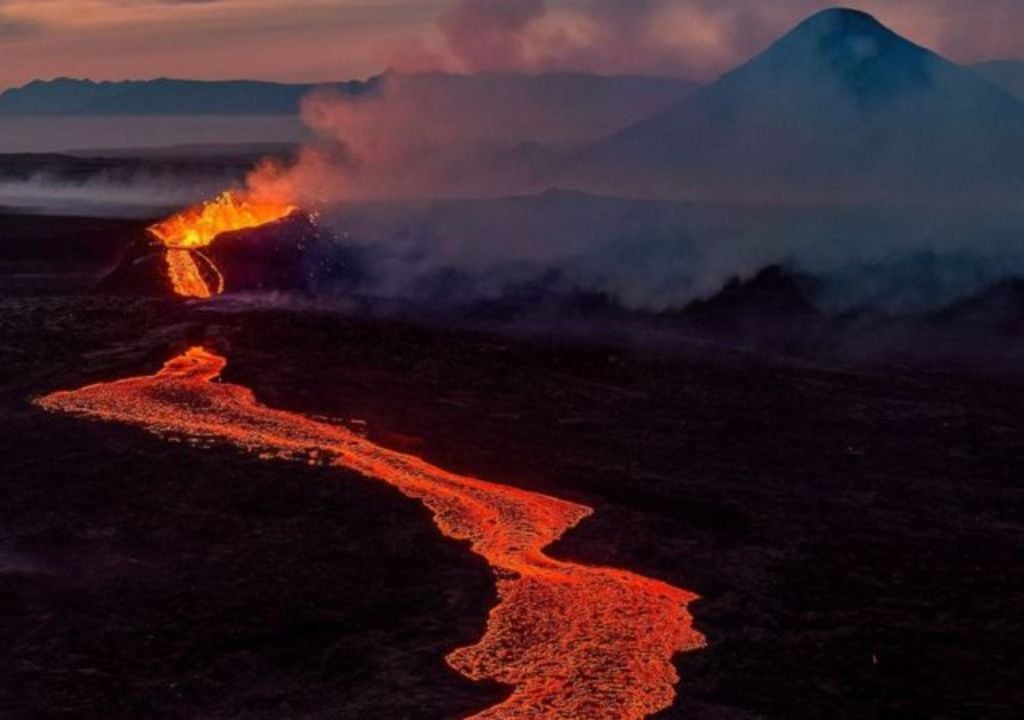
141	195
657	256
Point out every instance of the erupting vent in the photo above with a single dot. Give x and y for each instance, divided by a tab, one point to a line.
197	227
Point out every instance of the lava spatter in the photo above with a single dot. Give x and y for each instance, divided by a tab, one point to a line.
573	641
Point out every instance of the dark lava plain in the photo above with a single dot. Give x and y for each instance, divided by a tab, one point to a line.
856	534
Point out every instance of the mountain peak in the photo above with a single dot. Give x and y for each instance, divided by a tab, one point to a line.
845	37
846	19
845	51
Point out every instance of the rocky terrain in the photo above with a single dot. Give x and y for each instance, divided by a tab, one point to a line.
856	534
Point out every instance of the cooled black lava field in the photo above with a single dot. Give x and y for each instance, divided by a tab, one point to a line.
855	533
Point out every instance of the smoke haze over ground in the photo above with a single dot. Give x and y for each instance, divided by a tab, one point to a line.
658	256
123	184
811	157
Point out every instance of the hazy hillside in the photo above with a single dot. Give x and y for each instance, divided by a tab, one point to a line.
1007	74
839	105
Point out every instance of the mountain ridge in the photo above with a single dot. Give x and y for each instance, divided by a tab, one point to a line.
171	96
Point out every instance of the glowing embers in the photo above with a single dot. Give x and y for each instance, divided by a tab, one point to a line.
197	227
573	641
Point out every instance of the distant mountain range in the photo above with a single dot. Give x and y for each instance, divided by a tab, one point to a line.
840	107
571	98
163	96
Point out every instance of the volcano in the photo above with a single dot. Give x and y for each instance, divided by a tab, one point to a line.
230	243
840	106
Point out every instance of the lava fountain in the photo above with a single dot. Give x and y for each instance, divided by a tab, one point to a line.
185	234
573	641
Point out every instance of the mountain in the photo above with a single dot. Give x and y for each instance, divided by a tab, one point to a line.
163	96
558	104
840	106
1007	74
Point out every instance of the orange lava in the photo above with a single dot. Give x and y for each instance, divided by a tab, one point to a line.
197	227
185	276
573	641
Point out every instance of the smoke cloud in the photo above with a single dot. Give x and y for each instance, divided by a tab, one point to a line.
403	141
314	40
438	135
661	256
387	165
143	196
605	36
111	187
491	34
698	39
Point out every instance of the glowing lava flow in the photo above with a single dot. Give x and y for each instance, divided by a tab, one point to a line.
185	276
573	641
197	227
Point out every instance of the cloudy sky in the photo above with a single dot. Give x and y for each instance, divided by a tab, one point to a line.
316	40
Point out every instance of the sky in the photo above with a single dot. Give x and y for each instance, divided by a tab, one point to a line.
326	40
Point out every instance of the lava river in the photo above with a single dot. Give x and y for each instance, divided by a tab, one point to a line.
573	641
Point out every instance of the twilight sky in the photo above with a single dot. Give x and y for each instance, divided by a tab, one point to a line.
319	40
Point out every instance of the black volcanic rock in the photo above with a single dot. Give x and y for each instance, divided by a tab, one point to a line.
142	270
774	293
771	311
855	536
272	257
997	309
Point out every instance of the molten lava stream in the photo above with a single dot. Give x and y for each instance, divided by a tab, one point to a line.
185	276
573	641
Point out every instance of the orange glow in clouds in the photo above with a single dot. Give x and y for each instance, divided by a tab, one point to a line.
198	226
573	641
